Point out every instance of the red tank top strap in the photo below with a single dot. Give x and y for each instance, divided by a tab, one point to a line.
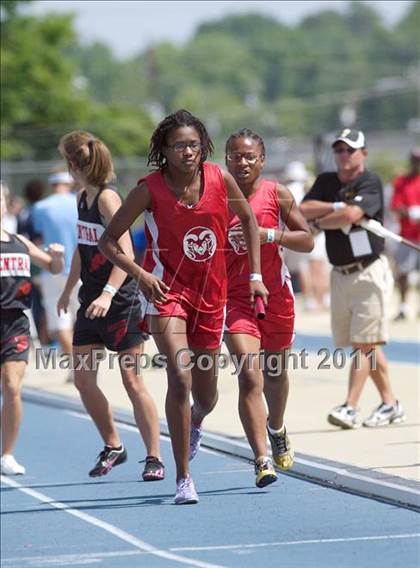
154	182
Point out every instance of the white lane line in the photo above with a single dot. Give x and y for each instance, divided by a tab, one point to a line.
119	533
294	542
247	470
65	559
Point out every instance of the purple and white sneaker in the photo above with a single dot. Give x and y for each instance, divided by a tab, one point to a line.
185	492
196	433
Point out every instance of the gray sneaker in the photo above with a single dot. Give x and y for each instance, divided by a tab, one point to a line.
385	414
343	416
283	454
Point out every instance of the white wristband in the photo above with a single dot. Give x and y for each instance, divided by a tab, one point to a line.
271	235
255	277
338	205
110	289
414	212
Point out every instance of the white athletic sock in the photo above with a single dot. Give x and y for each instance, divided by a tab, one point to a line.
274	432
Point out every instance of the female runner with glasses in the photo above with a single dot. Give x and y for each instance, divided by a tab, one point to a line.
280	225
184	273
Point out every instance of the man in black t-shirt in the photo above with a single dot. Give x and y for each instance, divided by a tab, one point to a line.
361	280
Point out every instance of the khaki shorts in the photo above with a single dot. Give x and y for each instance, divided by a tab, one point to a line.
360	303
52	285
407	260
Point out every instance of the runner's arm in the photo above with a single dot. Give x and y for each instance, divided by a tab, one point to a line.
240	206
109	203
138	200
52	259
299	236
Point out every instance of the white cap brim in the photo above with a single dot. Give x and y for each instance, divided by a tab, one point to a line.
60	177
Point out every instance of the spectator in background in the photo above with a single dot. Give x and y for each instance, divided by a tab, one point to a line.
405	204
33	192
312	267
54	219
361	280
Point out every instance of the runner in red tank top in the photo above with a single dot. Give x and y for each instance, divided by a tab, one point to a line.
280	224
184	277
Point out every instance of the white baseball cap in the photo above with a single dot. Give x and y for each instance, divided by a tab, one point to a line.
353	138
60	177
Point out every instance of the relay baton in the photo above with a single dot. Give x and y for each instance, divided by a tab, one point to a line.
259	308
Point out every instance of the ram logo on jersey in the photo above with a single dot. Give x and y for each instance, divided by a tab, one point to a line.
199	244
237	240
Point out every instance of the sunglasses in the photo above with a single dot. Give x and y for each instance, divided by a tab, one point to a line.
345	150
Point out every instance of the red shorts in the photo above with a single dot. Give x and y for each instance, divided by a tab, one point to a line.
204	330
276	330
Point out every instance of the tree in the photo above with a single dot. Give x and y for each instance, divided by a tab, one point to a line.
9	8
44	93
246	70
39	97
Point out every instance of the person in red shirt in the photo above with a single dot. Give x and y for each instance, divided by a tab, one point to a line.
184	272
280	225
405	204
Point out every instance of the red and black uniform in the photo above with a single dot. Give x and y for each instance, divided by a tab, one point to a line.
407	195
277	329
186	250
119	329
15	297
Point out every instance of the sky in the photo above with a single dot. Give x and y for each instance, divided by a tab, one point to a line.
128	27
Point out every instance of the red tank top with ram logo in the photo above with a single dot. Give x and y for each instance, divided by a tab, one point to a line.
186	245
266	207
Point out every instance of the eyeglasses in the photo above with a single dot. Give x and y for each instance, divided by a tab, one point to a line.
345	150
182	146
236	158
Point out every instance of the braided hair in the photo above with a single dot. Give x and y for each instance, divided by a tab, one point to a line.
245	133
175	120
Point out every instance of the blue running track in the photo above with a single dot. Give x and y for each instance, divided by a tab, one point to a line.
57	516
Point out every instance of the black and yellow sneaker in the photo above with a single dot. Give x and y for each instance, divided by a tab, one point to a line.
264	471
283	454
107	459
